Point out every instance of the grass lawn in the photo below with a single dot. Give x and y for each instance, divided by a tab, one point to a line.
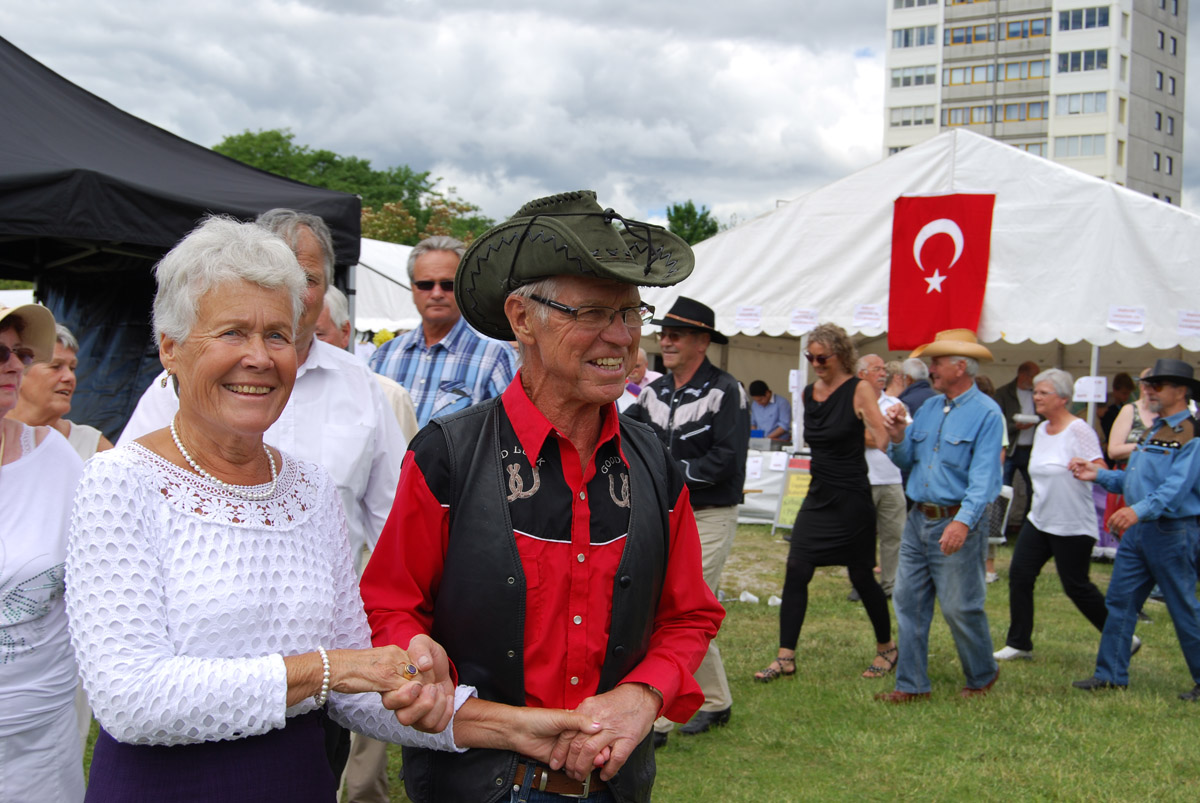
820	736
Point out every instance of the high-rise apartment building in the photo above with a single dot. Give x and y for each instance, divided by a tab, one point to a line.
1097	86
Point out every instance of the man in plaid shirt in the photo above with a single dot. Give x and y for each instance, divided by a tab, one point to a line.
443	363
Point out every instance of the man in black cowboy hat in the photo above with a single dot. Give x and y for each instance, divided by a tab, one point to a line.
1161	539
544	540
702	414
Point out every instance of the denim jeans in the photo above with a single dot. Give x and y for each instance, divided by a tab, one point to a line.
957	581
1162	551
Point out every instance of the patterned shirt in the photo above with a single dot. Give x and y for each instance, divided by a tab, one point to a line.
461	369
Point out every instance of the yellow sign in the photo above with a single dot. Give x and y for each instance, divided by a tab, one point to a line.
794	491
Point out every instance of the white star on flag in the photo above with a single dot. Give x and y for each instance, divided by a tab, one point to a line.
935	282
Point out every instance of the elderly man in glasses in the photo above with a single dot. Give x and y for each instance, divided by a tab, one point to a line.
443	364
1160	538
702	414
546	541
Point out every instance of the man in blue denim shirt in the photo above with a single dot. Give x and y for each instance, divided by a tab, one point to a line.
952	450
1161	540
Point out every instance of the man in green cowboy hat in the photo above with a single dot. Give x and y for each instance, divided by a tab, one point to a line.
544	540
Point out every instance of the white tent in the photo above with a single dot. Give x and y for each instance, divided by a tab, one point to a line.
382	298
1065	248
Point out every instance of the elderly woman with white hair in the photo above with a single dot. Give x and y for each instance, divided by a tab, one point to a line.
212	599
1061	523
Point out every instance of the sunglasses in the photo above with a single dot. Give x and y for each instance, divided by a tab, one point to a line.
819	359
1158	385
425	286
25	355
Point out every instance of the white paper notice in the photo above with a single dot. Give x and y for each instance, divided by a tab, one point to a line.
867	316
754	467
748	318
1189	323
803	320
1090	389
1127	319
778	461
793	381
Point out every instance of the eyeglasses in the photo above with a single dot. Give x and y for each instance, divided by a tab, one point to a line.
25	355
601	317
675	334
425	286
1156	385
819	359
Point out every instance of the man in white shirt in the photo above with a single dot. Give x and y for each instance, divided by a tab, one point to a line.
887	488
337	415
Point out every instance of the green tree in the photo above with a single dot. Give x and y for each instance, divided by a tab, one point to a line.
690	224
399	204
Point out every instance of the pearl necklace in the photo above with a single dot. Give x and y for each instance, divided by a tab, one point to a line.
240	491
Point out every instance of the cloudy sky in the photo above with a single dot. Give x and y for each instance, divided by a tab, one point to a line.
735	105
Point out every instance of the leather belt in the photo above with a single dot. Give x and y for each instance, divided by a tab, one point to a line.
937	511
557	782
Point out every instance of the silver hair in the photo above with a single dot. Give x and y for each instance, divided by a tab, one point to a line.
438	242
970	364
915	369
338	306
286	224
64	338
546	288
1062	382
864	363
217	251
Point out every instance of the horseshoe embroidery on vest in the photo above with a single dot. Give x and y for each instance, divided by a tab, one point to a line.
623	501
516	485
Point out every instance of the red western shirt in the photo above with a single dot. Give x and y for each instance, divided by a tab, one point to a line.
570	523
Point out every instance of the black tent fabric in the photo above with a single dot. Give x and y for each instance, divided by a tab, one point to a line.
91	197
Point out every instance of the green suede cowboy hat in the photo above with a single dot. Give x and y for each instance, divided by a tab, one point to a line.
562	235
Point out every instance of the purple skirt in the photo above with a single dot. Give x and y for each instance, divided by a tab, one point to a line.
285	764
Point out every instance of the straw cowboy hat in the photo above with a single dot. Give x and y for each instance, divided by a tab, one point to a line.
38	333
954	343
562	235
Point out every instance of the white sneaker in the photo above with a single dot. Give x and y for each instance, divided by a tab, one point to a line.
1134	646
1009	653
991	577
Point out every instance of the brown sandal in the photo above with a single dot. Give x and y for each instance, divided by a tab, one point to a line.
890	655
770	673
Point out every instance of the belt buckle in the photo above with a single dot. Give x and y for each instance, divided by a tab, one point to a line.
587	785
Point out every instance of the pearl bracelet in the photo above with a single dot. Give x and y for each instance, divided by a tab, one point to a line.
324	693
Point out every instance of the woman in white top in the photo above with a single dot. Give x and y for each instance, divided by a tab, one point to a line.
213	603
40	752
46	393
1061	523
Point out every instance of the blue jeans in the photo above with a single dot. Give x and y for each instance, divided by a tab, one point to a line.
527	794
1162	551
957	581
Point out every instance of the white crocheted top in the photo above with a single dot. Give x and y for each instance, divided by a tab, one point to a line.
183	601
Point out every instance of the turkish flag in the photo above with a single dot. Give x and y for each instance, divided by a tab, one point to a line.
940	249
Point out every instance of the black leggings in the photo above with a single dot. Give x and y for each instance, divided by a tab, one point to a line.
795	601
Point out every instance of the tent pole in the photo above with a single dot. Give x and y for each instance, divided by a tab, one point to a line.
352	303
1093	371
798	396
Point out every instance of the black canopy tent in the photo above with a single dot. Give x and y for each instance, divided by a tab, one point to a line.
91	197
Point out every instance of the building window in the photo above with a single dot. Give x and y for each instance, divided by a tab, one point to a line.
1158	121
1170	125
1081	103
1158	80
895	150
1174	46
969	34
1170	165
914	37
1156	160
913	3
1081	18
1085	145
1171	86
1120	153
1016	112
1083	61
914	76
1175	7
1124	25
1124	67
1026	29
1162	40
1167	198
1021	70
903	116
1121	111
1036	148
982	74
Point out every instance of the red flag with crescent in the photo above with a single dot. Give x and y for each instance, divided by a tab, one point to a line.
940	250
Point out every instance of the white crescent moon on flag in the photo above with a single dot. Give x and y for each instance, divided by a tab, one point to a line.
939	226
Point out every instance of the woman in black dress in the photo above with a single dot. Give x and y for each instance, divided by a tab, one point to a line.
836	522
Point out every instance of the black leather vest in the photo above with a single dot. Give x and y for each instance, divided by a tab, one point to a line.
479	614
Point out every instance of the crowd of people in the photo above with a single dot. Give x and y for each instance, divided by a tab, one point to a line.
499	544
